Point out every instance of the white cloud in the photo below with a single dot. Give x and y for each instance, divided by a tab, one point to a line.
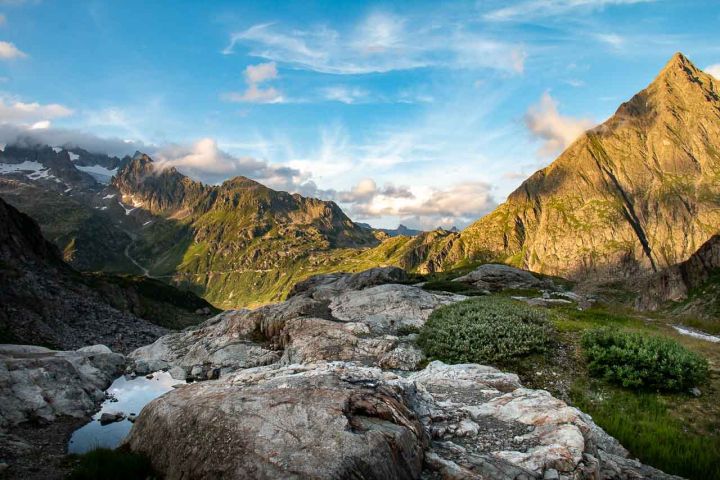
3	19
457	205
255	75
21	112
557	131
529	9
41	125
8	51
344	94
612	39
205	161
379	43
714	70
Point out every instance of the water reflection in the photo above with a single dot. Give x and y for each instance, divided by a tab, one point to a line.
132	395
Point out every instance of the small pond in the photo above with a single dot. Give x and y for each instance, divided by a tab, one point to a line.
132	394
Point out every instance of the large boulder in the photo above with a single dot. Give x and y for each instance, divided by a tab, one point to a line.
41	384
326	422
322	287
496	277
343	420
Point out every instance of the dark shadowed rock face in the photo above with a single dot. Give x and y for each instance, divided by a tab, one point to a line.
674	283
43	301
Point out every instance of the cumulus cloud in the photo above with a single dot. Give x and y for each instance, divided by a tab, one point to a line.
8	51
205	161
714	70
19	112
457	205
557	131
255	76
379	43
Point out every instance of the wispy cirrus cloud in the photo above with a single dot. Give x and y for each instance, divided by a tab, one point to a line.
555	130
524	11
380	43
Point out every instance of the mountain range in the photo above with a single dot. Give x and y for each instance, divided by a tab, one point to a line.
636	194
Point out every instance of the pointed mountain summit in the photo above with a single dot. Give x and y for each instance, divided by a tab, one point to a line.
639	192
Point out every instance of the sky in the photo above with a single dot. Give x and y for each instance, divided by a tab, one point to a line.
424	113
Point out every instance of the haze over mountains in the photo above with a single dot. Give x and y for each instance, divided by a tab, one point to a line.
635	194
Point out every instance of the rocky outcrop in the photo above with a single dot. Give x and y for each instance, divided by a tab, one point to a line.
495	277
674	283
38	384
326	319
341	420
319	386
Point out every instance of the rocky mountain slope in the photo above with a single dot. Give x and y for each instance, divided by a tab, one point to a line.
44	301
638	193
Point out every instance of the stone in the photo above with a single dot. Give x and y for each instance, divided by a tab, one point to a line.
111	417
497	277
389	308
38	383
695	392
325	423
178	373
323	287
551	474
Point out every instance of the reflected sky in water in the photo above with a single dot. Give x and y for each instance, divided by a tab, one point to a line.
132	395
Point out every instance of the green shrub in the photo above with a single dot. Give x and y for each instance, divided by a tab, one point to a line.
106	464
484	330
638	361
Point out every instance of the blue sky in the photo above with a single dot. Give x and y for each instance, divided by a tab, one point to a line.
426	113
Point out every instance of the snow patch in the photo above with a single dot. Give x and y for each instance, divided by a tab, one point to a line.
57	149
128	211
74	156
99	173
68	189
147	223
111	195
696	334
26	166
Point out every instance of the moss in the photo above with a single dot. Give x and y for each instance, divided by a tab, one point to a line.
106	464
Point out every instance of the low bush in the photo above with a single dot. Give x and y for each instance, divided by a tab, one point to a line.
484	330
106	464
633	360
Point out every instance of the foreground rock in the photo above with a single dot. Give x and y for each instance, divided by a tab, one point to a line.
495	277
41	384
341	420
325	319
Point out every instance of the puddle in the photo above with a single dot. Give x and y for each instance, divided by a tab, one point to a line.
132	395
696	334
